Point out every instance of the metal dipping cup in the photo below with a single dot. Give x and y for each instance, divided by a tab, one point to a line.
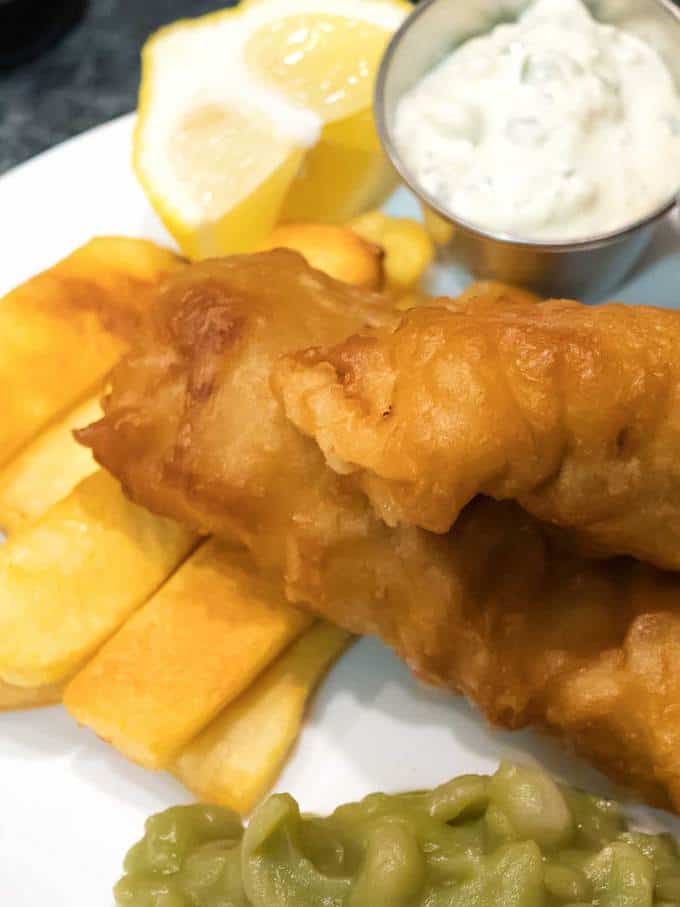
590	266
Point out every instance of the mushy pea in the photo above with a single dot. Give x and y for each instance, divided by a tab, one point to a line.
515	839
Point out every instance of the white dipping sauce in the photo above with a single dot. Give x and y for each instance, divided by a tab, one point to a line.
552	128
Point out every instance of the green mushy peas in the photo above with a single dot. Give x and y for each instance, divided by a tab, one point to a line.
515	839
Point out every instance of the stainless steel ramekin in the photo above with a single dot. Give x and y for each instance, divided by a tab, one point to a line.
587	268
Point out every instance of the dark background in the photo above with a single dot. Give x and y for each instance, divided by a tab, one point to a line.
90	76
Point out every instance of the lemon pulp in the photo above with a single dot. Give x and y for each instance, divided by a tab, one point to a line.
323	63
227	162
327	64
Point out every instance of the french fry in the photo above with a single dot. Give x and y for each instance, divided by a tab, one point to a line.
47	469
500	292
27	697
236	759
61	331
68	580
338	251
408	248
195	646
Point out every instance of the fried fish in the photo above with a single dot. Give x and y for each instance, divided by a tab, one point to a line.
498	608
572	410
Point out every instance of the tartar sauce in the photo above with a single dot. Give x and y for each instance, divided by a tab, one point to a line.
554	127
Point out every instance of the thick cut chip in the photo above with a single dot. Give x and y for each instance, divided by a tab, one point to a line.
408	249
497	608
12	697
47	469
71	578
236	759
195	646
337	251
61	331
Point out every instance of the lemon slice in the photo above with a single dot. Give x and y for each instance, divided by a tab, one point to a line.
243	121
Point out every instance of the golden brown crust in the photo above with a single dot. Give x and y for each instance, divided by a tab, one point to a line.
495	608
192	415
487	291
574	411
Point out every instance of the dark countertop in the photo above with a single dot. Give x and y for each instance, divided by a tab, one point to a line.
89	77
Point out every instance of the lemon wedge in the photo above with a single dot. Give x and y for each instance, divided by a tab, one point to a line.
262	114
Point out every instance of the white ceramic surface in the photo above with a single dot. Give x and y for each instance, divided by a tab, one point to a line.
69	804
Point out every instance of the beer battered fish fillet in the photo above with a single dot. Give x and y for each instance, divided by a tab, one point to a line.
572	410
493	609
192	426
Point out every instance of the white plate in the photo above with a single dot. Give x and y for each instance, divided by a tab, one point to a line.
69	804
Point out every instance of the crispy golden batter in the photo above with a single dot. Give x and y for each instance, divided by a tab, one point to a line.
192	426
487	291
494	609
588	650
574	411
